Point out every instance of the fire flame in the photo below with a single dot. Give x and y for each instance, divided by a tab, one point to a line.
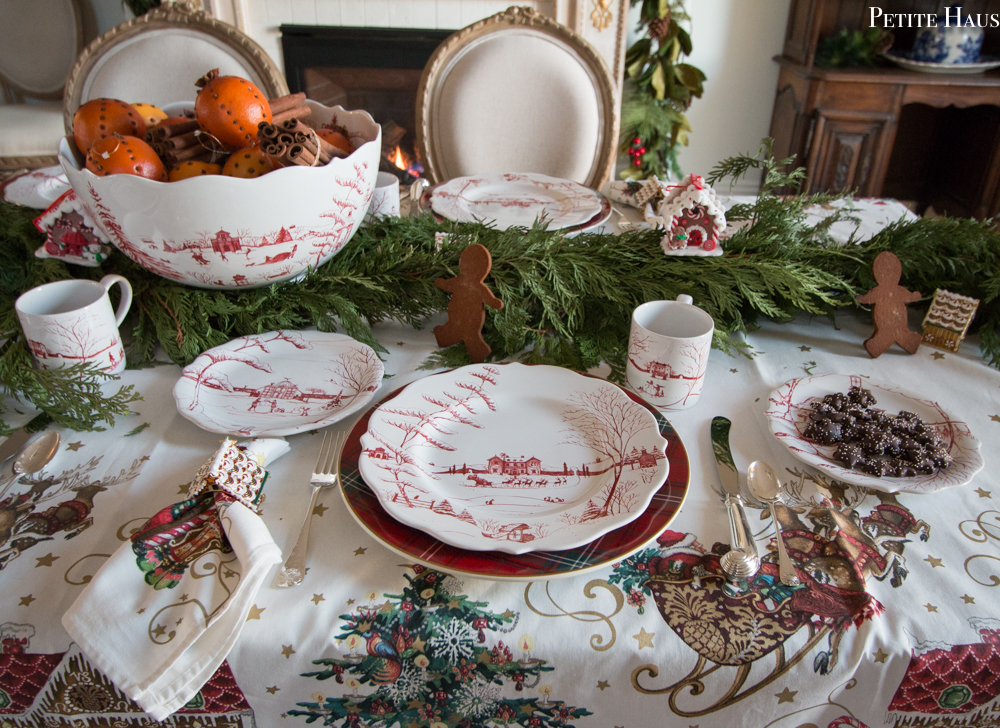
398	159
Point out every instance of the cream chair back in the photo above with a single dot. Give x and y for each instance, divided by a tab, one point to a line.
517	92
157	57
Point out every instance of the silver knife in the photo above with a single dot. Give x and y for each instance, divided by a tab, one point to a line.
13	444
742	561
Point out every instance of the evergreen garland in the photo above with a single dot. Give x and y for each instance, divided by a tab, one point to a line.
568	301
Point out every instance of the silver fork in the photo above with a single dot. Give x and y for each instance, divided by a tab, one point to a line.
293	571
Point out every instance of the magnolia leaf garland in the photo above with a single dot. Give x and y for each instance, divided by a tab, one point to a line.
568	300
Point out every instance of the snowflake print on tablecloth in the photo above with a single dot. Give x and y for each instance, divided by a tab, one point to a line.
412	679
477	699
424	658
455	641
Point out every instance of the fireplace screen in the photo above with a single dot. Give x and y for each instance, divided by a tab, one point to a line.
375	69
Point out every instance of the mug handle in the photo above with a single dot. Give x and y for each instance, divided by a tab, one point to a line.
126	302
683	298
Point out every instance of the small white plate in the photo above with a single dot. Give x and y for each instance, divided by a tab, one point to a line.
516	200
513	458
38	189
988	63
278	383
788	415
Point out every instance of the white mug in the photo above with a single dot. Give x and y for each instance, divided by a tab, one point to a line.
668	352
385	198
68	322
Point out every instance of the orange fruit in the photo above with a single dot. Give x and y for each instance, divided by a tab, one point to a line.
192	169
125	155
230	108
248	163
100	118
336	138
150	114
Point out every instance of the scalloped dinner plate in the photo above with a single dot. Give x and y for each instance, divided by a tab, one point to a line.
278	383
423	548
788	415
516	200
513	458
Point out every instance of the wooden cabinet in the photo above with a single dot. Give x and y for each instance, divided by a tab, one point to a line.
844	125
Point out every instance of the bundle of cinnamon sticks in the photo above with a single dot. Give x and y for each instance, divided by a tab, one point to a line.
285	137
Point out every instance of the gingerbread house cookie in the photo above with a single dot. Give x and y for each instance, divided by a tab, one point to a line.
692	217
70	233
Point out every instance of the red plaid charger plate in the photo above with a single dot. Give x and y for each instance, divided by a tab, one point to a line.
424	549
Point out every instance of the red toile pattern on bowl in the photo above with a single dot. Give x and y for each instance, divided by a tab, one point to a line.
214	231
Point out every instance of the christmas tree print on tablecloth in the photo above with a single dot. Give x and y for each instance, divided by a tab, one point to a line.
426	654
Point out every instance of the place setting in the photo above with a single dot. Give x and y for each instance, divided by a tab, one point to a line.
488	406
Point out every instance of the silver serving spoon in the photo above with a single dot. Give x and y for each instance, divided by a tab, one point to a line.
37	454
765	486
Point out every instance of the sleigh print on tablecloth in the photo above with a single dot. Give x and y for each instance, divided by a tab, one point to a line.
513	458
278	383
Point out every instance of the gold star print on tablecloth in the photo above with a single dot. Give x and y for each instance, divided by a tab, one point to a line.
74	446
141	610
983	493
419	644
967	599
183	488
320	509
317	598
159	630
880	656
26	601
995	418
602	684
508	614
937	355
273	689
930	607
360	551
45	560
786	696
805	348
527	708
287	651
645	638
734	371
255	612
350	602
933	562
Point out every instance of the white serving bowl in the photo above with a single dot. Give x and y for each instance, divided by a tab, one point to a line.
222	232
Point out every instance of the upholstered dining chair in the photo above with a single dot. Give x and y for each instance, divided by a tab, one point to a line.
517	92
39	42
157	57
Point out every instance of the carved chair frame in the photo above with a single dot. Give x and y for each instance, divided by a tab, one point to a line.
168	16
513	17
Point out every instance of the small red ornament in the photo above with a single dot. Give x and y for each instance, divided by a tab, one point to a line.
637	140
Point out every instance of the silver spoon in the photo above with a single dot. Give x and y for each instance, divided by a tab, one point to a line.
765	486
37	454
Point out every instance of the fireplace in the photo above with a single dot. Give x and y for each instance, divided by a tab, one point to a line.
375	69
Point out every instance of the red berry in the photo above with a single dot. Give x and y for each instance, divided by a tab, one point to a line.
642	150
638	162
637	140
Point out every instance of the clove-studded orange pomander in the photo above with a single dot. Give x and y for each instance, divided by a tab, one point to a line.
248	163
337	138
150	114
100	118
230	108
125	155
192	169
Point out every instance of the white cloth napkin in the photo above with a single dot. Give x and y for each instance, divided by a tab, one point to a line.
160	645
